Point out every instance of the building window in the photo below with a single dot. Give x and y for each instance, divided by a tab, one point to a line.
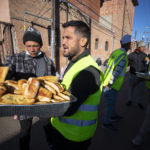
106	46
96	43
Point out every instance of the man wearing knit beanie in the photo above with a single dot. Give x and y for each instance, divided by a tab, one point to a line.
30	63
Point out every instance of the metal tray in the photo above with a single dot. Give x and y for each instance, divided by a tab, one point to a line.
39	110
143	75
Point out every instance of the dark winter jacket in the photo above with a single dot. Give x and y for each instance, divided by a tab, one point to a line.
137	62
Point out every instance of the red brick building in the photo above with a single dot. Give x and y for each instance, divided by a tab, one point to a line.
109	20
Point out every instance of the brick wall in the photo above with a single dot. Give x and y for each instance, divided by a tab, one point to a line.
39	8
112	11
88	7
122	15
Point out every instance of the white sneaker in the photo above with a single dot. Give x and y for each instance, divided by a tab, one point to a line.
137	141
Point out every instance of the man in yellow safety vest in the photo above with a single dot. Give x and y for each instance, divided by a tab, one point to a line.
113	80
82	78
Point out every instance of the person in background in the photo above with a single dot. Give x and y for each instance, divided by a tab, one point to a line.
99	61
82	78
137	63
145	128
113	79
32	62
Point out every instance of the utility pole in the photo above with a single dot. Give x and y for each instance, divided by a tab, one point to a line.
135	35
55	34
53	30
90	26
143	37
124	17
134	43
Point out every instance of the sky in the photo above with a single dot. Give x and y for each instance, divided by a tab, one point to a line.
142	20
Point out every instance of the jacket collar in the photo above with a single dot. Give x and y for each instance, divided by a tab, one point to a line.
85	53
28	57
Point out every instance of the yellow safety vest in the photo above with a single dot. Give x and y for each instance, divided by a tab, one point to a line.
113	61
82	124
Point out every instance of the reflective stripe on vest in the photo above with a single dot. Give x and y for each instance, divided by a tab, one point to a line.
79	123
85	107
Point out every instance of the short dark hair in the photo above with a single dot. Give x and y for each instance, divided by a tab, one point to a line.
80	27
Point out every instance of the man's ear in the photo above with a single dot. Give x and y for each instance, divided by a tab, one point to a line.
83	41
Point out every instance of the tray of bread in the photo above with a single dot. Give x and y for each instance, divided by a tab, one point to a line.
143	75
41	96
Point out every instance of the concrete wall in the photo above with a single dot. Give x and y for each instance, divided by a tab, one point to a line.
4	11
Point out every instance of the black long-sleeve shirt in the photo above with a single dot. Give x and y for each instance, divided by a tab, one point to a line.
86	83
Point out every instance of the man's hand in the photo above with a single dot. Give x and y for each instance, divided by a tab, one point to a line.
15	117
107	87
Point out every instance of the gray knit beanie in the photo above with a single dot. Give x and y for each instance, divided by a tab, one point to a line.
31	34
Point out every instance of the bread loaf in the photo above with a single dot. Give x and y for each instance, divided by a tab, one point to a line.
12	83
16	99
44	95
53	85
3	73
48	78
21	85
31	88
12	86
61	88
58	98
49	88
2	89
66	97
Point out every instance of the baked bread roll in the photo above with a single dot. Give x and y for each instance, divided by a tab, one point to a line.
12	83
3	73
52	85
43	99
21	85
66	97
48	78
55	101
31	88
49	88
17	92
2	89
12	86
58	98
61	88
16	99
44	95
67	93
44	92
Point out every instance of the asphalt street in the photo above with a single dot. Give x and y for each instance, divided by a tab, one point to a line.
103	139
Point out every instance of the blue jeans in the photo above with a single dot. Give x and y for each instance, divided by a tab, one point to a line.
110	96
136	82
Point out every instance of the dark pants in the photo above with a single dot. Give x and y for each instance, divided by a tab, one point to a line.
24	141
25	133
58	142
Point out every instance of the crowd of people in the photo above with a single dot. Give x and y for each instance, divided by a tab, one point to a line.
84	79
